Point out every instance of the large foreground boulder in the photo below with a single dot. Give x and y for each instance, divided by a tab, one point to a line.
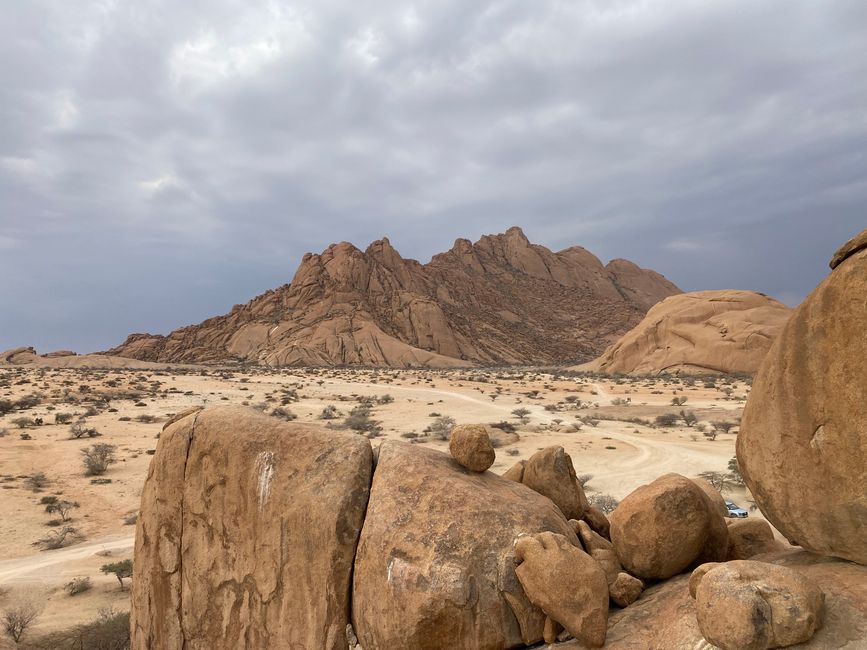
247	534
662	528
550	472
802	446
747	605
435	566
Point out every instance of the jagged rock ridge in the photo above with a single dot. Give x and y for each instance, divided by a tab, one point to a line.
500	300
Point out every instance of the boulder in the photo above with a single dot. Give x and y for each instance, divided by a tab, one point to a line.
247	534
802	446
747	605
471	447
664	618
749	537
566	583
516	471
702	332
435	566
598	521
550	472
623	588
662	528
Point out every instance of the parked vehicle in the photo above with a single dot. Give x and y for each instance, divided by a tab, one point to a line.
735	510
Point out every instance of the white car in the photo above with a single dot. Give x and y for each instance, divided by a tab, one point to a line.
735	510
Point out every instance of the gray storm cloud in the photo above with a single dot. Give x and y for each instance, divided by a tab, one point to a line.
160	161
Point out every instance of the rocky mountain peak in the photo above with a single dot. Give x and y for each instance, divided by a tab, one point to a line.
500	300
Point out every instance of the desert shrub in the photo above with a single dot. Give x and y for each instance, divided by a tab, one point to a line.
37	481
97	458
110	631
62	507
59	538
678	401
360	421
62	418
78	585
604	502
120	570
79	429
508	427
6	406
522	414
689	418
146	418
24	422
666	420
19	617
48	500
735	475
724	426
130	518
283	413
441	428
719	480
385	399
512	452
328	413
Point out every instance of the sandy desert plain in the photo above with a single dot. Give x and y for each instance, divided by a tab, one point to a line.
608	425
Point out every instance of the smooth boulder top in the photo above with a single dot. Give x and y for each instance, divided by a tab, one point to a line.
802	445
435	566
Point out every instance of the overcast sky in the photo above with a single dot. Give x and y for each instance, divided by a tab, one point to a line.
162	161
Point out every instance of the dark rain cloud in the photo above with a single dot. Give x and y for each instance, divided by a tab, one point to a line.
160	161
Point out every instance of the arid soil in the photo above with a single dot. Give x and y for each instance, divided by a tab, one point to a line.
608	427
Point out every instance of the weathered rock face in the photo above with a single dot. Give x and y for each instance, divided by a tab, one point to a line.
500	300
704	331
661	528
247	534
566	583
802	446
746	605
550	472
664	618
435	566
471	447
623	588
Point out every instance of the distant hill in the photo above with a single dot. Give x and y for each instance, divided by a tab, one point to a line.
700	332
500	300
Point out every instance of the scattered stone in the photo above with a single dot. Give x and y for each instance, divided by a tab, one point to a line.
471	447
566	583
747	605
623	588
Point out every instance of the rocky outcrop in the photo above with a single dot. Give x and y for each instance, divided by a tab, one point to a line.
247	534
28	356
746	605
665	617
802	446
662	528
436	563
500	300
700	332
